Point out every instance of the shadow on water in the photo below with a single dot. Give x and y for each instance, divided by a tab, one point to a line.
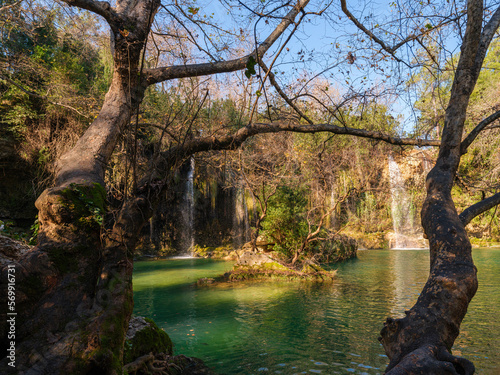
295	327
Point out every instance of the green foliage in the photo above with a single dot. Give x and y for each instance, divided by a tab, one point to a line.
8	228
286	223
34	232
48	63
250	70
87	202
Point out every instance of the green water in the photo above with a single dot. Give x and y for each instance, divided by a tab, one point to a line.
288	328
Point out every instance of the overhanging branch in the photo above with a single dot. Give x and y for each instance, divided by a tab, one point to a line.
194	70
475	132
477	209
102	8
233	141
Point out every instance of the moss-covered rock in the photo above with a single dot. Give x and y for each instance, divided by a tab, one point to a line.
148	348
144	337
221	252
258	266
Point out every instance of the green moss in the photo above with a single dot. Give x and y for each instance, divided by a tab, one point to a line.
87	203
272	266
212	252
150	339
270	271
105	357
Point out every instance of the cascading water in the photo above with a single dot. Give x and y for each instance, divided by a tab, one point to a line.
187	215
240	219
405	234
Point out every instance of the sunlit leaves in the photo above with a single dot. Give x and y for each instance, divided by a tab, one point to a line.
193	10
250	70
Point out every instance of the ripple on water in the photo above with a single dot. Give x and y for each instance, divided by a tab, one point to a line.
293	327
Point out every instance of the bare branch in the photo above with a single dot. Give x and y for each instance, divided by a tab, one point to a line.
5	7
195	70
475	132
313	236
272	79
477	209
102	8
392	50
233	141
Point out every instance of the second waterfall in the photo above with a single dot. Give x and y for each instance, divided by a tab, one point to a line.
407	232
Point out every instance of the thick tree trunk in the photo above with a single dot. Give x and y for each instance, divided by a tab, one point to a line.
74	290
421	342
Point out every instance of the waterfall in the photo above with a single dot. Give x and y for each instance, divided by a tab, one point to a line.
241	225
247	219
187	214
405	235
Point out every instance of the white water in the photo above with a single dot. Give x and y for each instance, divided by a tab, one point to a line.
241	226
187	217
406	236
182	257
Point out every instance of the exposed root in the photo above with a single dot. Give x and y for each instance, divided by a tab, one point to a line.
432	360
164	364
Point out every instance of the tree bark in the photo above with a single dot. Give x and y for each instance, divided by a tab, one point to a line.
421	342
75	287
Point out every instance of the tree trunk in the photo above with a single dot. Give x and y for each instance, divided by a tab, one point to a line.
74	290
421	342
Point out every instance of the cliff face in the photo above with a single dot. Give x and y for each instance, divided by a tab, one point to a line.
201	208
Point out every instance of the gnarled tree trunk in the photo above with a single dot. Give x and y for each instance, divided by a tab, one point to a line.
75	287
421	342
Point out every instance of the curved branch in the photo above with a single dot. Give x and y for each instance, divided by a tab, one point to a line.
277	87
233	141
475	132
385	47
194	70
102	8
477	209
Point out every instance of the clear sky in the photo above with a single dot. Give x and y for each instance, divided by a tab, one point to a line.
330	47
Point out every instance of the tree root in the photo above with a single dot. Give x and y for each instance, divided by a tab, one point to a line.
160	364
432	360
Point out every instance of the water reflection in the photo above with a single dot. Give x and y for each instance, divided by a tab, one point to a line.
409	270
289	328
